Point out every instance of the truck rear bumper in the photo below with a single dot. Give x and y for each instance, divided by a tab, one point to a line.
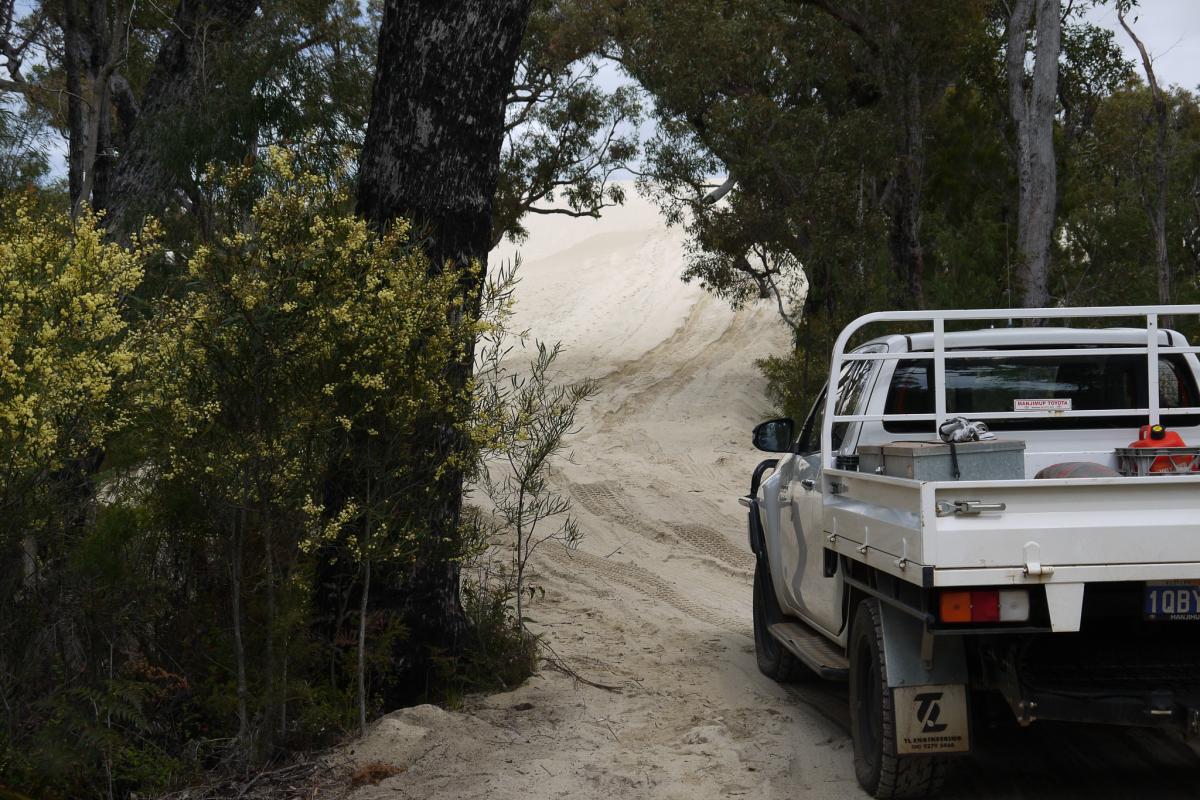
1126	674
1149	711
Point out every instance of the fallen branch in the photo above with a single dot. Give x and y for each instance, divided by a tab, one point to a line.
316	771
555	661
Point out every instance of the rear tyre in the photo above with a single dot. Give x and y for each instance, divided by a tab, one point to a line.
774	660
878	768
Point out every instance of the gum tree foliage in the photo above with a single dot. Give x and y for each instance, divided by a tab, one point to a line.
817	115
23	160
564	135
837	157
1109	243
111	78
146	95
841	93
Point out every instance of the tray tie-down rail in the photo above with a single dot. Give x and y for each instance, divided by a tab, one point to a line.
938	319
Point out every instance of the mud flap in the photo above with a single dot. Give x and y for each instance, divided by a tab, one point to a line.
928	678
932	719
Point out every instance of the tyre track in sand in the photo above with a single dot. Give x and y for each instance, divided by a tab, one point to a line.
642	581
603	500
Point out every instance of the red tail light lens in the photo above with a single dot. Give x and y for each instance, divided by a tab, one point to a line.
985	606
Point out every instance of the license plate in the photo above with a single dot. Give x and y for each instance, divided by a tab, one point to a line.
1172	601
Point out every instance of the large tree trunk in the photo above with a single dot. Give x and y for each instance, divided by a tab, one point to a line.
431	155
145	181
1032	105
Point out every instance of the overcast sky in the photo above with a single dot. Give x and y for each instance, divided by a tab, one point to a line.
1170	29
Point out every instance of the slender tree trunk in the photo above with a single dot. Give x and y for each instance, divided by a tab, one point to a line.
362	647
90	37
1154	197
75	56
272	632
431	155
521	558
239	646
1032	105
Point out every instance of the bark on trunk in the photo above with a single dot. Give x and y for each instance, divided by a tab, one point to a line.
145	180
1032	105
74	56
239	645
87	50
363	606
431	155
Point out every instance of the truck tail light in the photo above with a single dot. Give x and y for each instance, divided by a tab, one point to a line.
984	605
1014	605
956	607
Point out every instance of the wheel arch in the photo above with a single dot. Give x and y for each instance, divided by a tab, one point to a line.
915	656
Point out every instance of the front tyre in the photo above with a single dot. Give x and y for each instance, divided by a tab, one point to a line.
774	660
877	766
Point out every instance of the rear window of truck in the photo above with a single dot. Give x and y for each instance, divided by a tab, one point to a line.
1089	382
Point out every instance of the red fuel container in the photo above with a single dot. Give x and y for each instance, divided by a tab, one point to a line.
1158	436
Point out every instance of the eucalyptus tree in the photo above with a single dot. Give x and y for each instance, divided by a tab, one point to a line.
1034	28
432	156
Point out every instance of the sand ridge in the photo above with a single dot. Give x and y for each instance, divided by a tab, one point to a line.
656	600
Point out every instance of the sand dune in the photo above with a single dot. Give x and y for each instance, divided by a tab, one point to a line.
656	600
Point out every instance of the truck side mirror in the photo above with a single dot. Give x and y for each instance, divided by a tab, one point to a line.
775	435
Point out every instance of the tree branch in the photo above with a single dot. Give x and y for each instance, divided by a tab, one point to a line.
850	19
594	213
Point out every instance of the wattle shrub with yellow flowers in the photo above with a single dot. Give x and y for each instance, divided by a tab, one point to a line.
285	385
65	359
236	446
63	347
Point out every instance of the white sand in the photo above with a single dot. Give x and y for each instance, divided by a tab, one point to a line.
657	598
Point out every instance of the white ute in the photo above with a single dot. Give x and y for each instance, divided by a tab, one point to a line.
1056	565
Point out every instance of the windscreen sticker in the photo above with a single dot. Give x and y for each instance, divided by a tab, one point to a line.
1044	404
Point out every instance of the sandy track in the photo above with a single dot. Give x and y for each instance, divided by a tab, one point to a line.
656	601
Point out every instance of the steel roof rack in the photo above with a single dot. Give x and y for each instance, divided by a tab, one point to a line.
938	319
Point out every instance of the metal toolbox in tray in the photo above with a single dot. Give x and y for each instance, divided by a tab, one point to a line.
998	459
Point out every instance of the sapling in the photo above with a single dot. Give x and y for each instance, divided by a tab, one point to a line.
533	418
